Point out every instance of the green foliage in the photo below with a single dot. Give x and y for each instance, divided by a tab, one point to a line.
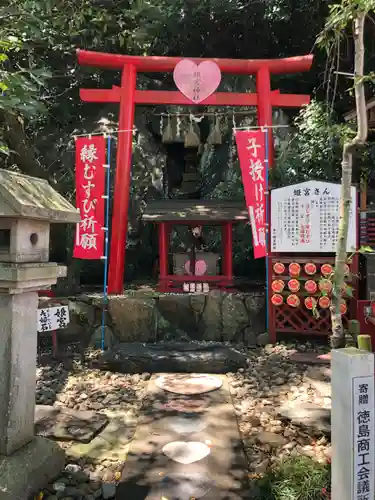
365	249
298	478
40	80
314	151
340	15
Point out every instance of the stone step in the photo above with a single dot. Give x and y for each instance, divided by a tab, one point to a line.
172	357
191	177
67	424
311	358
308	416
189	187
184	451
112	443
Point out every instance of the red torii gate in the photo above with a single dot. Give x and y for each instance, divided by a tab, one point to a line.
127	96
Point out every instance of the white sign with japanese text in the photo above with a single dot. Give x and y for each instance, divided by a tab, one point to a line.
363	434
305	218
196	287
53	318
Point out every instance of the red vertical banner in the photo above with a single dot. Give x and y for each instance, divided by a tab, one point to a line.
90	187
251	147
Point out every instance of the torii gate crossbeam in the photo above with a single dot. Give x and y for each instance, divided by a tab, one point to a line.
127	96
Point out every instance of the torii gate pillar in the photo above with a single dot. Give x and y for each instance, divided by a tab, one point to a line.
120	214
127	96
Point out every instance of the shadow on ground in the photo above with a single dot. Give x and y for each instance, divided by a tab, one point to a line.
150	474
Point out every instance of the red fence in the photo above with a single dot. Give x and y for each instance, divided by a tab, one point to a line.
300	320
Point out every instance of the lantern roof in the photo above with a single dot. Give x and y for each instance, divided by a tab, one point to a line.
33	198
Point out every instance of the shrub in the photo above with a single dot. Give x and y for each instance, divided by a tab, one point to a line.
297	478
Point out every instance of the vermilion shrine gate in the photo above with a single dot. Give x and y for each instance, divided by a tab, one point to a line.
283	319
127	96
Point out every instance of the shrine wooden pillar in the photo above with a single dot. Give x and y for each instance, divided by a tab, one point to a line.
264	114
120	213
227	239
264	107
163	234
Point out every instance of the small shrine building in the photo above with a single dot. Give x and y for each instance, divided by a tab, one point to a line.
195	270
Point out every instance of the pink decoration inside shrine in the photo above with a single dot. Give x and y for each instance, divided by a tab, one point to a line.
200	267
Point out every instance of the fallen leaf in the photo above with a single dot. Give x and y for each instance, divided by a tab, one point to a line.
117	475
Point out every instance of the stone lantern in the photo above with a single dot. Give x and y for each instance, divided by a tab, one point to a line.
27	208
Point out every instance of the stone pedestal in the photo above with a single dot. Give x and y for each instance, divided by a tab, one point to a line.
352	423
30	469
27	463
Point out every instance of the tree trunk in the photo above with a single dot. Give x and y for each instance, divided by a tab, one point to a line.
338	336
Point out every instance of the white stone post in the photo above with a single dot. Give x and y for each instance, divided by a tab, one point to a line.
18	349
352	423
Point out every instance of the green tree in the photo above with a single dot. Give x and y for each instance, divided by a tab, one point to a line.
38	116
314	148
353	12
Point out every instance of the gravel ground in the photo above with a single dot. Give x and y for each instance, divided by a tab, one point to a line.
269	380
79	387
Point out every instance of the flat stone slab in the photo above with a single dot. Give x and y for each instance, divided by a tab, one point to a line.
28	470
165	461
172	357
67	424
319	377
111	444
307	415
310	358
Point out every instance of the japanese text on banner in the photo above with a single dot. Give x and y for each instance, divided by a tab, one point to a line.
90	186
251	153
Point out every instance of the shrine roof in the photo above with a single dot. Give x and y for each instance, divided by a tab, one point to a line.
33	198
194	210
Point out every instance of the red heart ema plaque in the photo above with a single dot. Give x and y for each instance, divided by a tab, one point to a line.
197	81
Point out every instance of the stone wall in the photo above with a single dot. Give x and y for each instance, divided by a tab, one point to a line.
148	316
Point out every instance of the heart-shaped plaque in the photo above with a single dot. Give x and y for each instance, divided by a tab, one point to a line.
185	424
186	486
189	384
186	452
197	81
183	404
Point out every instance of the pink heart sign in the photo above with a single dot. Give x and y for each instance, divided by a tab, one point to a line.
197	81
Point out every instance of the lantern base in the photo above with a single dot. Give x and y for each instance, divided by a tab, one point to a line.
29	469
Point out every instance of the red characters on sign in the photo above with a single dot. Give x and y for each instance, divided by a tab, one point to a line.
251	153
90	185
